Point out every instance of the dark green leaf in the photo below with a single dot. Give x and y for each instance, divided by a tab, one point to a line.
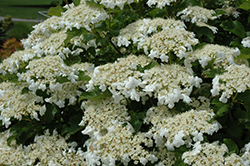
234	26
10	77
94	94
82	76
147	67
220	108
196	3
245	54
92	51
204	31
245	98
62	79
56	11
212	73
25	90
136	120
231	145
74	32
245	6
76	2
88	37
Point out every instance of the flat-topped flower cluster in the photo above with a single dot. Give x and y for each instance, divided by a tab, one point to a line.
159	100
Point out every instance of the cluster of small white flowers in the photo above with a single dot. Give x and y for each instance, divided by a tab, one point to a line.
162	81
169	84
196	14
246	42
165	157
174	130
230	10
54	45
81	16
46	150
42	31
159	3
112	3
210	154
178	41
246	155
45	70
111	135
230	82
14	104
141	29
17	59
219	55
202	24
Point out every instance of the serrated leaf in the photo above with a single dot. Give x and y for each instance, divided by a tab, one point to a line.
76	2
245	6
244	54
204	31
136	120
56	11
231	145
83	77
212	73
244	97
220	108
94	94
147	67
25	90
74	32
234	26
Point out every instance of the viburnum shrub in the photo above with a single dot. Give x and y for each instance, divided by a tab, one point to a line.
147	82
10	46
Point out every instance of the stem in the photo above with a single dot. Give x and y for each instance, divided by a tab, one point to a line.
166	10
131	8
169	57
113	46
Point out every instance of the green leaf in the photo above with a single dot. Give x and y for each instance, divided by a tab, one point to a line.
56	11
244	97
147	67
204	31
83	77
74	32
73	126
212	73
220	108
245	54
245	6
136	120
234	26
10	77
25	90
196	3
231	145
94	94
62	79
76	2
92	51
88	37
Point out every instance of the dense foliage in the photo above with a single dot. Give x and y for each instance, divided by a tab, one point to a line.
147	82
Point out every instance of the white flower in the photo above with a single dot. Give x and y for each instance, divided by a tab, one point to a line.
102	87
246	42
197	136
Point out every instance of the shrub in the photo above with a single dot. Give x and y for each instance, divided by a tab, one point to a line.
10	46
130	83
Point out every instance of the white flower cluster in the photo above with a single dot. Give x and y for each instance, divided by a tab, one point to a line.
17	59
112	3
111	135
246	42
51	150
217	54
159	3
210	154
196	14
174	130
14	104
168	83
228	82
82	16
42	31
230	10
141	29
178	41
